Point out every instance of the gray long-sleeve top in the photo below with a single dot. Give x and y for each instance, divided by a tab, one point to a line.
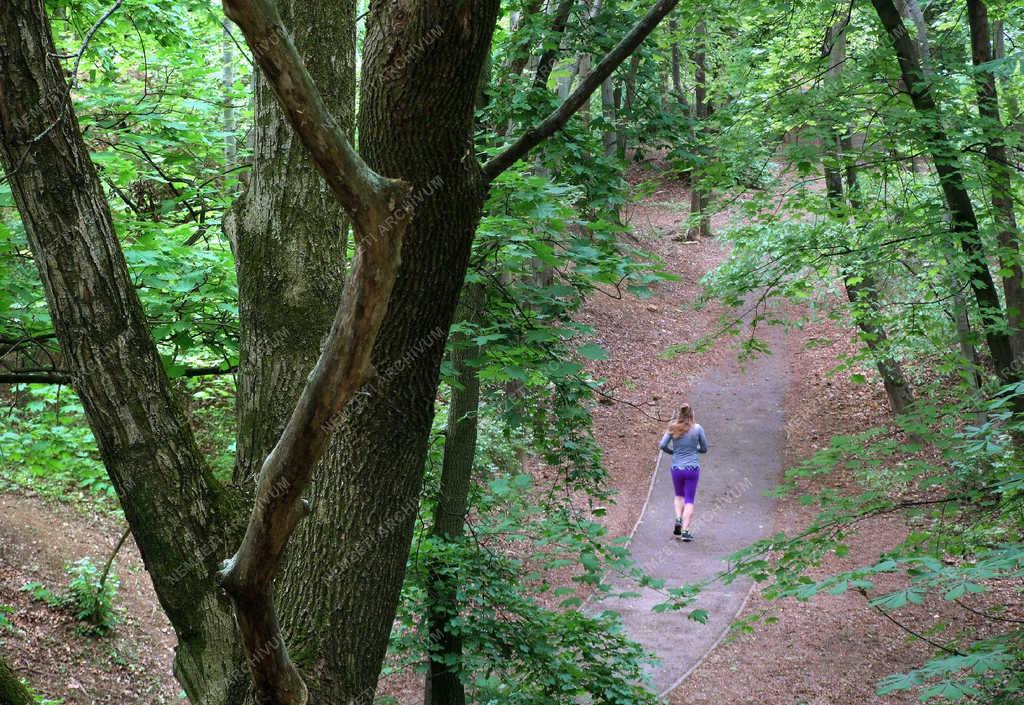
684	449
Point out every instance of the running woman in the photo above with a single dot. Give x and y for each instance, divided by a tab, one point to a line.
683	441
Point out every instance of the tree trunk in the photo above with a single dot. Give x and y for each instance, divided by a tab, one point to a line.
677	68
546	62
958	201
861	288
444	684
700	223
999	52
865	293
177	512
999	172
227	81
12	692
610	138
292	236
416	123
630	81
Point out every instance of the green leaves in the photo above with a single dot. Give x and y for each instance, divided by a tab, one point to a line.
591	351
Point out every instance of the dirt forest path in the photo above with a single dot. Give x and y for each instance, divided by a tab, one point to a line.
741	408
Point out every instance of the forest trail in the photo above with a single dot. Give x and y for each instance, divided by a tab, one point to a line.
741	408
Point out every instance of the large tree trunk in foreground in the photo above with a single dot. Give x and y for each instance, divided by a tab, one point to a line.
416	123
1000	173
444	684
174	507
954	190
291	240
377	207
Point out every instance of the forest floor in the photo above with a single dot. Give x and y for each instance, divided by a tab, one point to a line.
132	664
827	650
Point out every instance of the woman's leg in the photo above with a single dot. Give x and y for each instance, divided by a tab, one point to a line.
687	513
691	478
679	485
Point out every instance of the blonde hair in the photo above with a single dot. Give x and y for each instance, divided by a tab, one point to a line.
682	423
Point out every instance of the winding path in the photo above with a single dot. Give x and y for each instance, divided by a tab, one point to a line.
742	412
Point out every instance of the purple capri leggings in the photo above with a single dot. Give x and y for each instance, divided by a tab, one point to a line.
685	479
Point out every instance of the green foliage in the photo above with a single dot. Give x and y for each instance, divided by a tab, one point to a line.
964	507
91	602
6	625
46	444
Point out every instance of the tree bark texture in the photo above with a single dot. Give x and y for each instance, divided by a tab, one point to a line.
174	507
292	238
421	65
698	195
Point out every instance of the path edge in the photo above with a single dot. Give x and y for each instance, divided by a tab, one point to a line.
711	649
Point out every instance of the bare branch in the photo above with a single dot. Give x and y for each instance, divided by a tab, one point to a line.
344	365
557	119
365	194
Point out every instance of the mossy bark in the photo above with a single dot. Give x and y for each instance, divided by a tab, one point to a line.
12	692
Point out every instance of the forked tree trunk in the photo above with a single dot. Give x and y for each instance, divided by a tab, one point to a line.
1000	174
291	235
416	123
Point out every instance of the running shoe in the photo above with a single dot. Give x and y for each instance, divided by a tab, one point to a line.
686	535
678	528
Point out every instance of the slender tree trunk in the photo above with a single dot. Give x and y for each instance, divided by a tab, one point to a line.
444	682
227	81
677	71
178	514
515	23
965	224
861	288
610	138
999	52
548	59
911	10
630	81
701	226
1000	174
